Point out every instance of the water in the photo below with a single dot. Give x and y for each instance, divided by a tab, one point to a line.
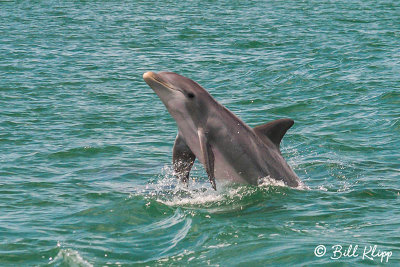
85	145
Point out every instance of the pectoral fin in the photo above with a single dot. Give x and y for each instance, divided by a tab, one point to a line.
208	157
182	159
274	130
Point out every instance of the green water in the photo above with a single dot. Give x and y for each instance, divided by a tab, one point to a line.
85	144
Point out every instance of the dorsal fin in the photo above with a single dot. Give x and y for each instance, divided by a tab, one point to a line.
274	130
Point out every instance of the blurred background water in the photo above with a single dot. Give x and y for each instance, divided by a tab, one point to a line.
85	145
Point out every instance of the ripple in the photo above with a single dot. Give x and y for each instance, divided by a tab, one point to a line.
86	151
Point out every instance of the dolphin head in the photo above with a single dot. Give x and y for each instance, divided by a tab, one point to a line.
183	98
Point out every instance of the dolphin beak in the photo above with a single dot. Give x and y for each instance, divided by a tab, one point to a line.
152	80
149	76
155	81
163	89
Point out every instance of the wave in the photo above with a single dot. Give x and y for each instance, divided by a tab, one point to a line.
86	151
69	257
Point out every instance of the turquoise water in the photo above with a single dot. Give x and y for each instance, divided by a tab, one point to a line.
85	144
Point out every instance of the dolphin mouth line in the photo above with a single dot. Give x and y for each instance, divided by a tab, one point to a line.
163	83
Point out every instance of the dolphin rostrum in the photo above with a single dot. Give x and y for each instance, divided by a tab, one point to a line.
227	147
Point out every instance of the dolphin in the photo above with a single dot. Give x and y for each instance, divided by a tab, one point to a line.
227	147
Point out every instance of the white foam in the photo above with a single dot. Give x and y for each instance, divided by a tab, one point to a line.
71	258
195	199
169	191
268	181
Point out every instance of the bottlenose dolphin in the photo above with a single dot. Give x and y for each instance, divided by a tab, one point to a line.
227	147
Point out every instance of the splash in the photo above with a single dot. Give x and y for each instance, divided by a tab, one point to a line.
169	191
268	181
69	257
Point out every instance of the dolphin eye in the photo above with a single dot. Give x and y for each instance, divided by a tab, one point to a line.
190	95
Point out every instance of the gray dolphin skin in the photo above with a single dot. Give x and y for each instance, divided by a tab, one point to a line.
227	147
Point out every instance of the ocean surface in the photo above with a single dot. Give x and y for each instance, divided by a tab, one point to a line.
86	145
